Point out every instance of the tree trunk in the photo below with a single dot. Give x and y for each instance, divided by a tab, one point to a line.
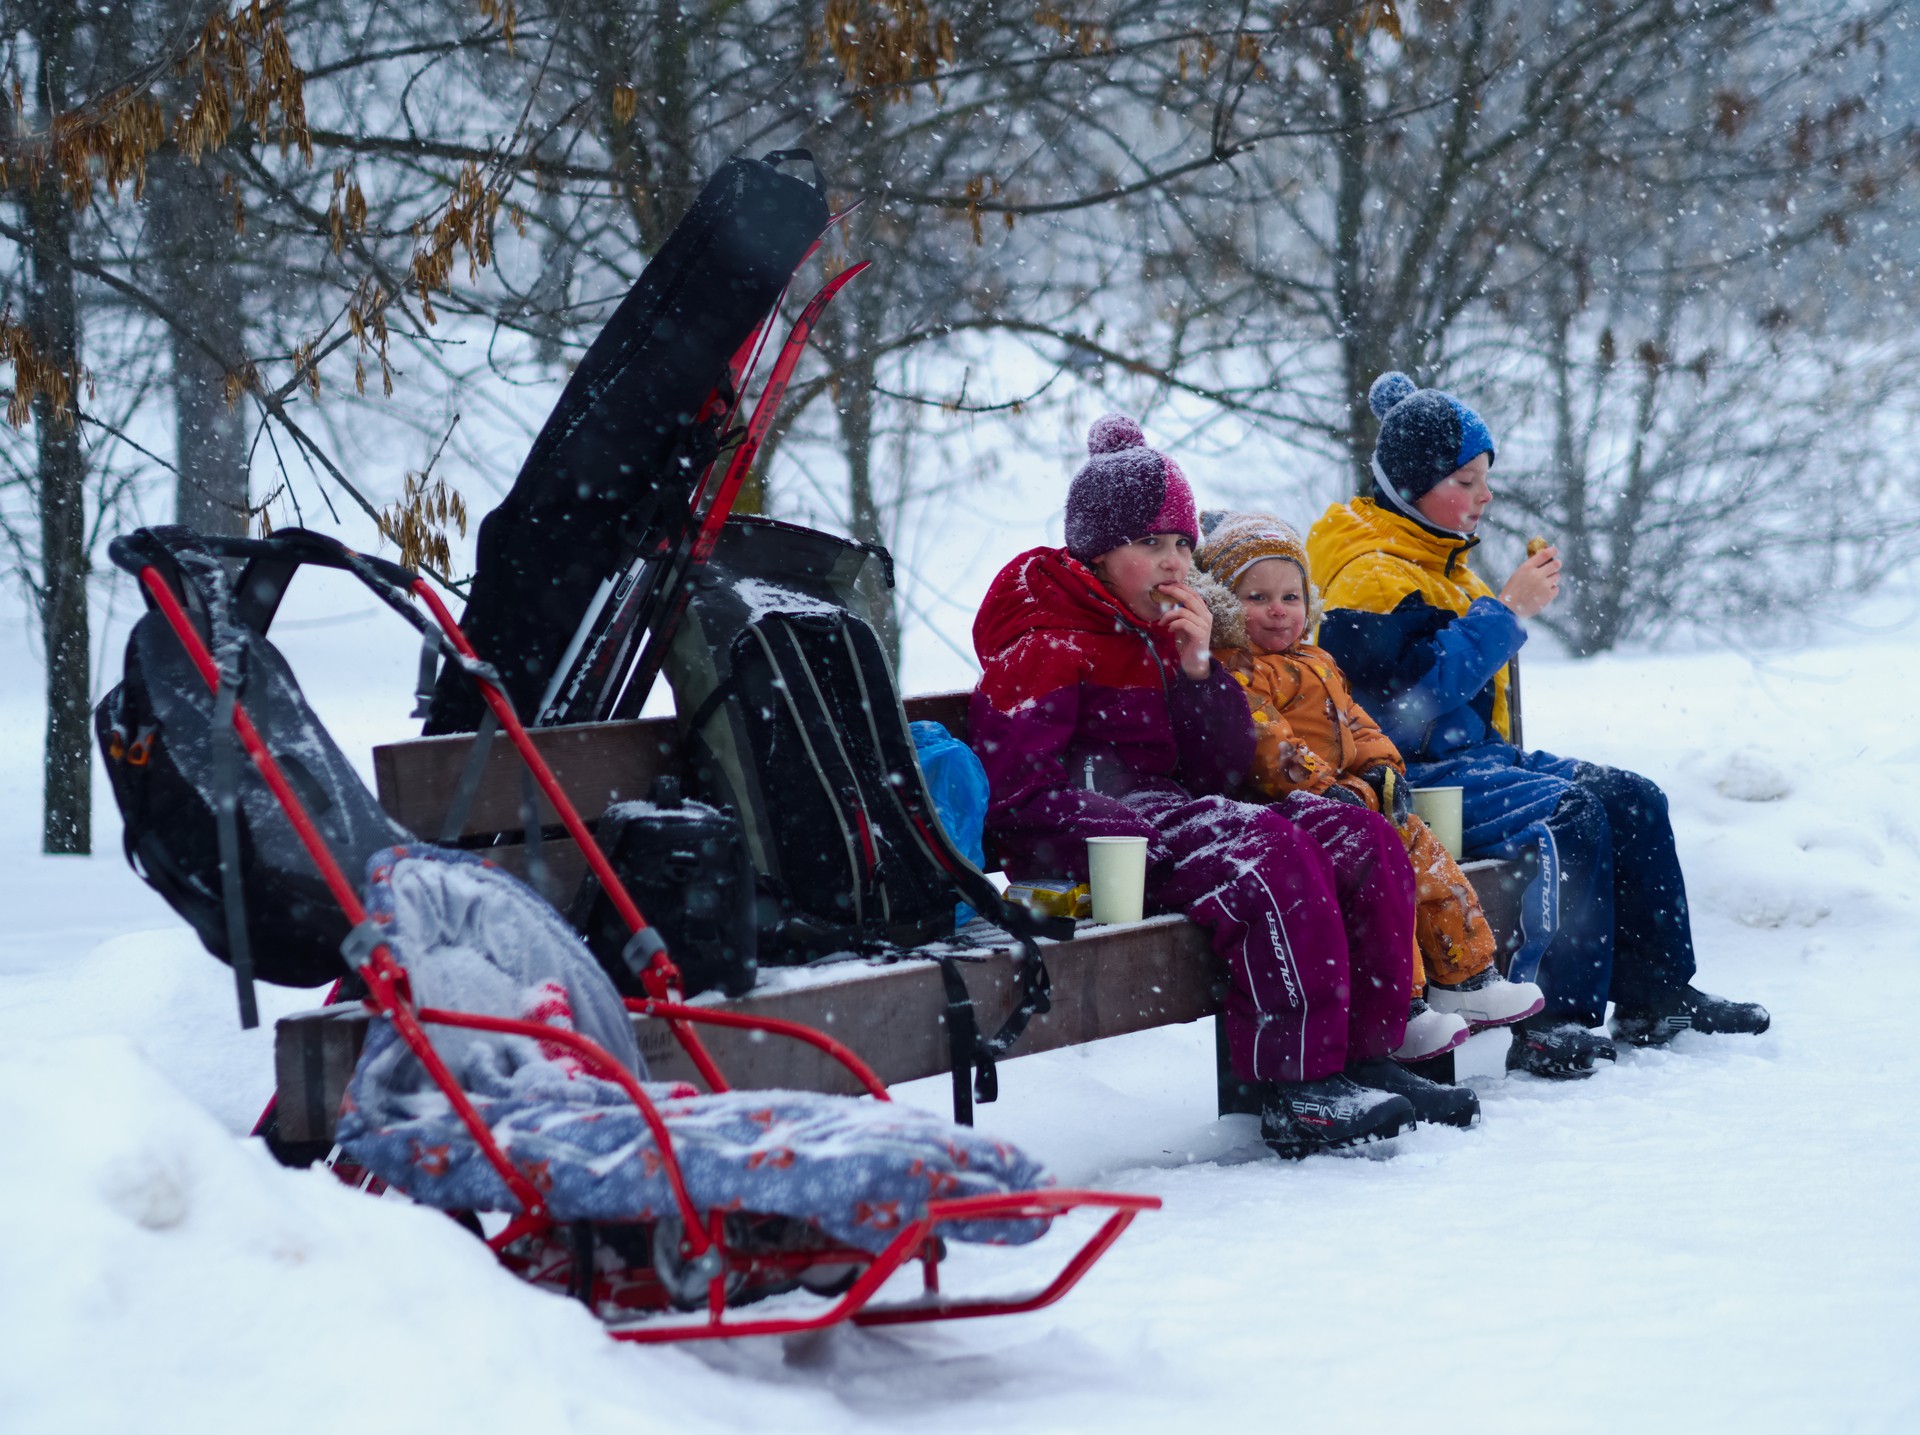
1360	340
1570	489
53	319
199	273
856	438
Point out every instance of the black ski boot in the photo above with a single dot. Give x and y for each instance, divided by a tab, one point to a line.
1554	1047
1441	1105
1689	1009
1299	1118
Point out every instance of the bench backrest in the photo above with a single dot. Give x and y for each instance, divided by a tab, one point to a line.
597	764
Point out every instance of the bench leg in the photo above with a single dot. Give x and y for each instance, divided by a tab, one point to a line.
1437	1068
1237	1097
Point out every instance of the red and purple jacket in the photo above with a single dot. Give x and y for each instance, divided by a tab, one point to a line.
1081	704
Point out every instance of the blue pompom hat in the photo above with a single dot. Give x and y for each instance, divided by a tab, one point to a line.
1425	435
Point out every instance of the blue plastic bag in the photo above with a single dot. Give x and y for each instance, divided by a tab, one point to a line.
957	783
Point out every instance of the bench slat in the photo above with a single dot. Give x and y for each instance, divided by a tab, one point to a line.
596	763
1109	982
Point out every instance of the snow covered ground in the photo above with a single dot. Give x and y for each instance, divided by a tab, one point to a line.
1715	1237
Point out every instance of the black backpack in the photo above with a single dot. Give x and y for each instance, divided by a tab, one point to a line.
790	717
170	754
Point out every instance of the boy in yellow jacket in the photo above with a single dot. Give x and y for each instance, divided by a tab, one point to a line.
1312	737
1429	645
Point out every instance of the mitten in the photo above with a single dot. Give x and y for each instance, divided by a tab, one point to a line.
1396	794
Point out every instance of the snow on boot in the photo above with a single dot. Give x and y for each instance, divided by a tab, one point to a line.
1555	1047
1487	999
1299	1118
1442	1105
1430	1033
1689	1010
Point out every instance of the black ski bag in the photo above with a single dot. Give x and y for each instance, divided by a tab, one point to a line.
615	465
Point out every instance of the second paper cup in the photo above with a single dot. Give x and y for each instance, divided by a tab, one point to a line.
1439	808
1117	873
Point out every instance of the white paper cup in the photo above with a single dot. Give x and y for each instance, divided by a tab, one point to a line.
1117	873
1439	808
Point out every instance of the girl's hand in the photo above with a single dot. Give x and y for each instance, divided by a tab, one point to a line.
1534	584
1191	624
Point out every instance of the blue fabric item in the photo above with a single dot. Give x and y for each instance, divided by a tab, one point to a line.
1606	916
1425	674
957	783
473	938
1474	438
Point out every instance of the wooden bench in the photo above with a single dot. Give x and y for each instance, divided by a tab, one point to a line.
1107	981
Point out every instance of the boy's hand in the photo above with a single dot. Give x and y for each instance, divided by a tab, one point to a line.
1534	584
1191	624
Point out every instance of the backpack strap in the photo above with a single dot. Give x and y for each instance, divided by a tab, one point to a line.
226	800
974	1073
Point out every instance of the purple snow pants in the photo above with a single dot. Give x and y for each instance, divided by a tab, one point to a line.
1310	908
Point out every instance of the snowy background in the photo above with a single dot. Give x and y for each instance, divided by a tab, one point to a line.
1714	1237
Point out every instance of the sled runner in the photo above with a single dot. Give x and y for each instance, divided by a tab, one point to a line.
502	1074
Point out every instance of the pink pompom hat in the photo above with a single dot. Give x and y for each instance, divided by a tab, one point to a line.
1125	491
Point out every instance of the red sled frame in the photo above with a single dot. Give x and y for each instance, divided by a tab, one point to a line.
703	1234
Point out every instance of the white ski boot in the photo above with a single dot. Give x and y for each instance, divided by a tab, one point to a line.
1487	999
1430	1033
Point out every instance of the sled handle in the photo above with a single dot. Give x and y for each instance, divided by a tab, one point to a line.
660	975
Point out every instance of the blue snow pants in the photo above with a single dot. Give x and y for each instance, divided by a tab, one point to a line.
1606	914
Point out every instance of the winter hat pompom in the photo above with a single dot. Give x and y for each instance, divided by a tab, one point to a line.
1112	432
1125	491
1388	390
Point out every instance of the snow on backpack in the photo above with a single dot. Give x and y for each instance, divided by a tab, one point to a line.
172	755
790	716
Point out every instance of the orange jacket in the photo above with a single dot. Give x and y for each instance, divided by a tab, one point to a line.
1309	733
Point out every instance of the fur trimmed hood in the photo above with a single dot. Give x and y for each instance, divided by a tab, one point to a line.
1229	618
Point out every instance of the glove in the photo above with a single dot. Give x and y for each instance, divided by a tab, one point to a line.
1344	794
1395	793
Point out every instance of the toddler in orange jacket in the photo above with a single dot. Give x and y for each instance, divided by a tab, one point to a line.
1311	736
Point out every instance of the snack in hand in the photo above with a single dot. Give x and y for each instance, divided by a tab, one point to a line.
1537	545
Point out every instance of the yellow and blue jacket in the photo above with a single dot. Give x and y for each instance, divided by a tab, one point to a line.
1421	638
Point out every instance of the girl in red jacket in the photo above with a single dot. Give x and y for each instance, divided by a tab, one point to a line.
1100	711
